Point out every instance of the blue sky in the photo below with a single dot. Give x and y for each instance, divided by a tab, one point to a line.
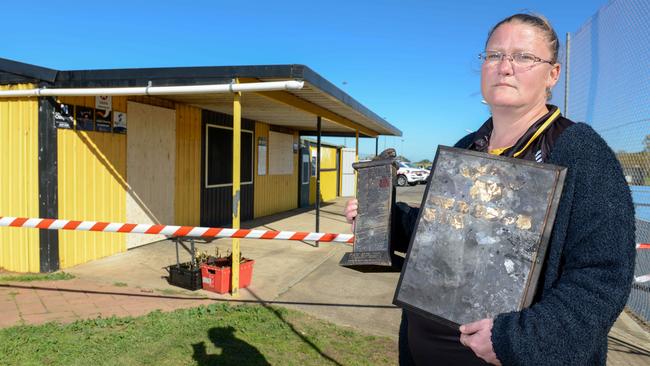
412	62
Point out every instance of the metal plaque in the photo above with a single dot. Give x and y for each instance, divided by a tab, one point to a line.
480	238
375	193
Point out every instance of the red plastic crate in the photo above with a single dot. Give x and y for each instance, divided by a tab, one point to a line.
217	278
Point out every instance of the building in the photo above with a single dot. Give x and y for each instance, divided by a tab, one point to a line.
155	145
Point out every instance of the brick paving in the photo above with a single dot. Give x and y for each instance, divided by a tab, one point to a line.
66	301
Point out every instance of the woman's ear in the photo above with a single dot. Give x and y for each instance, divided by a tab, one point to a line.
553	76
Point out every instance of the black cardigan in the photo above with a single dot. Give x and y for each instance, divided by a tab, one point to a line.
590	265
589	268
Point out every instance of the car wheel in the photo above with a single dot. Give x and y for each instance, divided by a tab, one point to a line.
401	180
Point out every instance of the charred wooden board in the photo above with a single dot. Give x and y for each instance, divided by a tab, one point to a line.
481	236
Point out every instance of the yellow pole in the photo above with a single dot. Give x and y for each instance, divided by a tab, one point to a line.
236	195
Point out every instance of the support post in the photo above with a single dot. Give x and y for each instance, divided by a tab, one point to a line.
236	193
566	74
318	133
377	146
47	184
356	158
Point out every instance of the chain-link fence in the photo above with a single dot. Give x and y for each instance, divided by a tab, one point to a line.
606	83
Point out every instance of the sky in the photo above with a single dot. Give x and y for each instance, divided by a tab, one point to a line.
412	62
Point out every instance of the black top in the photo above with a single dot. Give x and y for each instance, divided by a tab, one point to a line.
586	276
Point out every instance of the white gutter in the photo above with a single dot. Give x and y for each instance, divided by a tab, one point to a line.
156	90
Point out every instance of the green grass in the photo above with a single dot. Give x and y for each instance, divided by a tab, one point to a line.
56	276
120	284
219	334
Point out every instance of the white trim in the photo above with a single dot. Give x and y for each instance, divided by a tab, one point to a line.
157	90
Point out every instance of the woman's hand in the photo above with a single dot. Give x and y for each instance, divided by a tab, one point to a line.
478	337
350	211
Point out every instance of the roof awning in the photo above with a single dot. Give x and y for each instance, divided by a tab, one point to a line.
340	114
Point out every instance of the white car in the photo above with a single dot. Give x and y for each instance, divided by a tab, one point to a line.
407	174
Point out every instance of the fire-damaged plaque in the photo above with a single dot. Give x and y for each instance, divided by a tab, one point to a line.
375	193
480	238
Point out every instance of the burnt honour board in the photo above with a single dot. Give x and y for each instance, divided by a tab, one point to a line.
481	236
375	191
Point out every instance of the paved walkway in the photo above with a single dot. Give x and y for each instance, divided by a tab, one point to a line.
292	274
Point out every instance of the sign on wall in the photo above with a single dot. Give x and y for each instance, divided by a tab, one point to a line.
261	156
85	119
103	120
63	115
119	122
104	102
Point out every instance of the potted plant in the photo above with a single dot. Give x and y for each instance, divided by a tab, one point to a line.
216	271
186	275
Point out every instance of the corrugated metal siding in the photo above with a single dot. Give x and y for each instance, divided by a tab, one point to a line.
328	179
92	186
216	203
275	193
188	165
19	248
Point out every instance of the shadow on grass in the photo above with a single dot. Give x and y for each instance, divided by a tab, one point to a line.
293	329
234	351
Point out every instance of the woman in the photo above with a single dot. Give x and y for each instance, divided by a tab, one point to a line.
590	262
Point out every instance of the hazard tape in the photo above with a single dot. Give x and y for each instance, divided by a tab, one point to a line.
171	230
176	231
642	279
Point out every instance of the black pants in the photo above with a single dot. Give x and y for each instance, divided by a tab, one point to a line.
425	342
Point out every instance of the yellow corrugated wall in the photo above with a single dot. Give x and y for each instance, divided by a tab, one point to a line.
188	166
92	186
328	179
273	193
19	248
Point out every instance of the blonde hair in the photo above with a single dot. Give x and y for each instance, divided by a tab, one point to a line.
539	22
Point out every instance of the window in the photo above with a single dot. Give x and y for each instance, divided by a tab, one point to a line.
218	156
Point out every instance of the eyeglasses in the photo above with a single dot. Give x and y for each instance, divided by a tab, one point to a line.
520	58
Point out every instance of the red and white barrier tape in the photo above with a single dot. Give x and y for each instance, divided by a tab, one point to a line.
171	230
644	278
195	231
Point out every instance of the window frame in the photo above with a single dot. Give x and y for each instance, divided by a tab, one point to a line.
207	146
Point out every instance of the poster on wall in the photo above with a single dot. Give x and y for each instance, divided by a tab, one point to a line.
102	120
85	119
119	122
63	117
261	156
104	102
314	162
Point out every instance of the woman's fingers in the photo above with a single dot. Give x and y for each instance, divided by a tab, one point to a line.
350	211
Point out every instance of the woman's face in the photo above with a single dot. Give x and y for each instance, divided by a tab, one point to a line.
506	85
